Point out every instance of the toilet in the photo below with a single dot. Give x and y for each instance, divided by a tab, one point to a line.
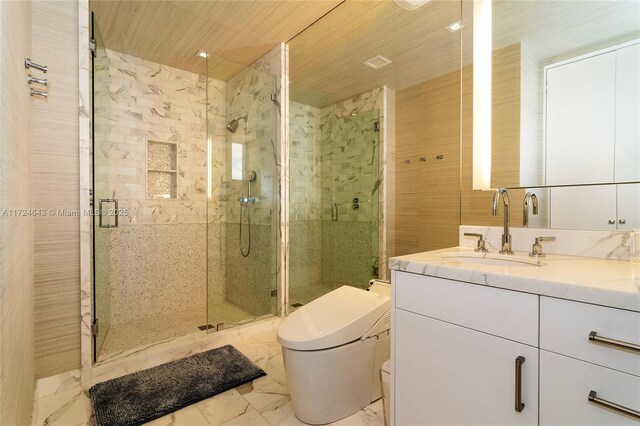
333	349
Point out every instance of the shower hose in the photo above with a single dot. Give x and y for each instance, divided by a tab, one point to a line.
242	252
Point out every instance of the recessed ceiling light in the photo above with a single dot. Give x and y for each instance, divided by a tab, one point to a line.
202	54
456	26
377	62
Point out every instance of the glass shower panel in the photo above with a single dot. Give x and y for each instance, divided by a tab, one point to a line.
350	231
333	192
242	223
306	205
149	184
102	224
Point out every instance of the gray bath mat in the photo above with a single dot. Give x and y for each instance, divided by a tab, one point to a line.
143	396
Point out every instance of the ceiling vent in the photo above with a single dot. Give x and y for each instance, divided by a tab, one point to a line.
377	62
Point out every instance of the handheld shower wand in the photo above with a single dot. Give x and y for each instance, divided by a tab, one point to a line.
246	201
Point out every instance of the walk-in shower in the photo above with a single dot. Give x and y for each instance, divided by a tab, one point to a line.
184	254
334	198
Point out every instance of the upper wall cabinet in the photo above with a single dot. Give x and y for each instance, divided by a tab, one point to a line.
565	92
627	143
592	114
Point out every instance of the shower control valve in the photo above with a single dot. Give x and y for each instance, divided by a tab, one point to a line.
247	200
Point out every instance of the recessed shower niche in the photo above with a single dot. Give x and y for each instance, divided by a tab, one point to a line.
162	169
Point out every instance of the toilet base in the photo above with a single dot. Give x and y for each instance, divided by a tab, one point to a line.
331	384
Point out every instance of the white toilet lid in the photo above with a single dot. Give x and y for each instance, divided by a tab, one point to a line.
338	317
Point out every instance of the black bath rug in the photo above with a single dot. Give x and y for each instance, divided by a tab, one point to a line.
143	396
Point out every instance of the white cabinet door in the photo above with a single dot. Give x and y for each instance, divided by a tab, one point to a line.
629	205
580	121
583	207
627	145
445	374
565	384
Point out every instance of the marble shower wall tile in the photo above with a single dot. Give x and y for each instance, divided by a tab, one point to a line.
347	249
305	258
249	93
335	157
153	102
304	162
349	169
156	269
250	280
350	148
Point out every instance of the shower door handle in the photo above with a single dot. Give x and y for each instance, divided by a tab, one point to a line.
101	212
334	212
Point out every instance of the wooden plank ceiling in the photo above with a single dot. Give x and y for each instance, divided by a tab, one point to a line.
236	33
326	60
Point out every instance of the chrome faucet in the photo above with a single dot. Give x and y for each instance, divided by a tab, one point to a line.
529	196
506	236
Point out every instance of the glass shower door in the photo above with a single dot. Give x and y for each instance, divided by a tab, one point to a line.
243	195
104	219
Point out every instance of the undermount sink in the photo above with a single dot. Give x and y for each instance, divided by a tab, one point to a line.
494	259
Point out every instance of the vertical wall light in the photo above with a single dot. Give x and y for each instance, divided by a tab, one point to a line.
482	39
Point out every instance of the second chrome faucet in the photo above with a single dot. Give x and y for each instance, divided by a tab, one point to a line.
501	193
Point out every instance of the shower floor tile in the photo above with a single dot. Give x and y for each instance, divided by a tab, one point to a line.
125	336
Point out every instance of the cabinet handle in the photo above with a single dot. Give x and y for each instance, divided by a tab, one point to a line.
593	336
622	221
519	403
593	397
612	222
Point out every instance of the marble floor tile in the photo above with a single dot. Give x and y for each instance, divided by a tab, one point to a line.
370	416
57	384
264	394
262	402
250	418
188	416
223	407
68	408
280	413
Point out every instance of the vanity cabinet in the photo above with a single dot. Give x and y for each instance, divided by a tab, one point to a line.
456	346
455	356
572	366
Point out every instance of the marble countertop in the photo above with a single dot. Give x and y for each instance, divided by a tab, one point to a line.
611	283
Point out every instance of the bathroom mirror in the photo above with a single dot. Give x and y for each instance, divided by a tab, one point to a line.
566	93
565	113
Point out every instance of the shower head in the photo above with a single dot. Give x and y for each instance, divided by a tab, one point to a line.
232	126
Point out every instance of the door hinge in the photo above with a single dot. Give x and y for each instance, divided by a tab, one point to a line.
376	126
92	47
94	328
274	293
